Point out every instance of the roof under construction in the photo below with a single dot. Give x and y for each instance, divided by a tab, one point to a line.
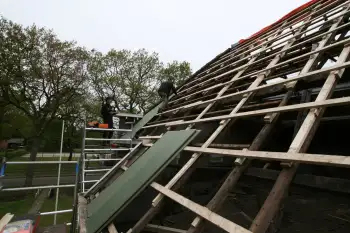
274	107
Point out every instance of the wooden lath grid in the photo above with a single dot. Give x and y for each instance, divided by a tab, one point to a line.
232	83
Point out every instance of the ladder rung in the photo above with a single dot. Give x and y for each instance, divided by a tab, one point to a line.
102	129
93	160
150	137
108	149
101	152
108	139
97	170
90	181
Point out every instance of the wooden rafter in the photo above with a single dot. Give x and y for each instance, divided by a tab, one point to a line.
246	68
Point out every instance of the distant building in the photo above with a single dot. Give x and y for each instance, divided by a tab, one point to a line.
3	145
15	143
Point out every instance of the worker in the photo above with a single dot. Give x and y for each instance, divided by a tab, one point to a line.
107	112
166	88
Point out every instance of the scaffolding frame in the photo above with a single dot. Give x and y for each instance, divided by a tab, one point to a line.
85	151
57	186
78	171
302	44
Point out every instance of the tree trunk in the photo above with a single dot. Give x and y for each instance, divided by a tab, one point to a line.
70	154
30	168
2	116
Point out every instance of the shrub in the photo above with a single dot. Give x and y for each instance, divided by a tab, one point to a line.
10	154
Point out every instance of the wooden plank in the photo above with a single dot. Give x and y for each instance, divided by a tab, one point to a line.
269	56
5	220
318	159
112	229
162	229
228	85
223	125
231	180
213	136
186	170
343	42
309	74
316	104
82	212
147	217
204	212
220	145
256	83
300	144
195	156
255	48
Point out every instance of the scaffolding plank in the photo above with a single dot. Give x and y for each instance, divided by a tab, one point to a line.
112	200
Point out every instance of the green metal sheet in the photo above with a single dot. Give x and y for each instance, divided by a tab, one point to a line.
121	192
142	122
145	119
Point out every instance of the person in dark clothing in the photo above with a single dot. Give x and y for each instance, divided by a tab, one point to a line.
107	112
165	90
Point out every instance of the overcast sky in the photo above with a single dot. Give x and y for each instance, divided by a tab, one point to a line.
191	30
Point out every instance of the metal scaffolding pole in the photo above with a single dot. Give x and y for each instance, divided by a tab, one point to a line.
59	175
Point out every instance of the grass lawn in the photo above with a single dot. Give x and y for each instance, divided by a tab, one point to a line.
22	204
17	206
65	202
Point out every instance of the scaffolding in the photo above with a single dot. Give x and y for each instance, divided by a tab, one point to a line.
82	169
307	49
39	188
127	146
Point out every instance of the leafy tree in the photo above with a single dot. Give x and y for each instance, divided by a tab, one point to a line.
132	78
41	76
178	72
125	75
14	123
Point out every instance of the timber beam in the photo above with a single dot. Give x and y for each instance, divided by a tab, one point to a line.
300	143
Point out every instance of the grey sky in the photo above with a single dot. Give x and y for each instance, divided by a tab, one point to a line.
192	30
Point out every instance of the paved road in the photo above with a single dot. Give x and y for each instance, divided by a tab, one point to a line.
40	181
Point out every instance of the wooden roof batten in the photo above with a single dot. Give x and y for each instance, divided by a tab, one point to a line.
288	35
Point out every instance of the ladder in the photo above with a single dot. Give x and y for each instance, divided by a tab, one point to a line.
90	173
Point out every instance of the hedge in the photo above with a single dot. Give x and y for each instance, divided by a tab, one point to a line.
10	154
